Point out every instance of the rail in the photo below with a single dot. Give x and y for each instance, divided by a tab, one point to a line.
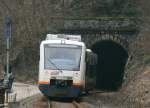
76	104
54	104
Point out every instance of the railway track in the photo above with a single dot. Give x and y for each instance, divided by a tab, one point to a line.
45	103
56	104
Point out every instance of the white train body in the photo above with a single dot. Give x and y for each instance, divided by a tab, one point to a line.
62	66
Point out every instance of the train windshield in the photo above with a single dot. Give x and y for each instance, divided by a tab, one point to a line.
62	57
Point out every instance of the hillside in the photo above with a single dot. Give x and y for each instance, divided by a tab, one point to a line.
33	19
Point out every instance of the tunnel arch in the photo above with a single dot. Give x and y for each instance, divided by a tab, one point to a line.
113	55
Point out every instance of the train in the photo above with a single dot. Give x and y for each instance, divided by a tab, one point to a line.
63	65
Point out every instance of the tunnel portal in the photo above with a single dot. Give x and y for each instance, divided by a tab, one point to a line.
112	58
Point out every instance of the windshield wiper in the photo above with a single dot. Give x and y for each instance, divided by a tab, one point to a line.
49	59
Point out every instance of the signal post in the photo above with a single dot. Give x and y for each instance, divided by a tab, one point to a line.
6	82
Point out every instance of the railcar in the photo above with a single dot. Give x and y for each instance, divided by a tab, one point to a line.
62	66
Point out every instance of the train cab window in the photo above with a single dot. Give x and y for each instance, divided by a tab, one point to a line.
64	57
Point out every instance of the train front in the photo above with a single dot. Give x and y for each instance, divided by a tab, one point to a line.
62	68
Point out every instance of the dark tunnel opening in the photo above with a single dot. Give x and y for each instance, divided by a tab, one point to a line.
112	58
